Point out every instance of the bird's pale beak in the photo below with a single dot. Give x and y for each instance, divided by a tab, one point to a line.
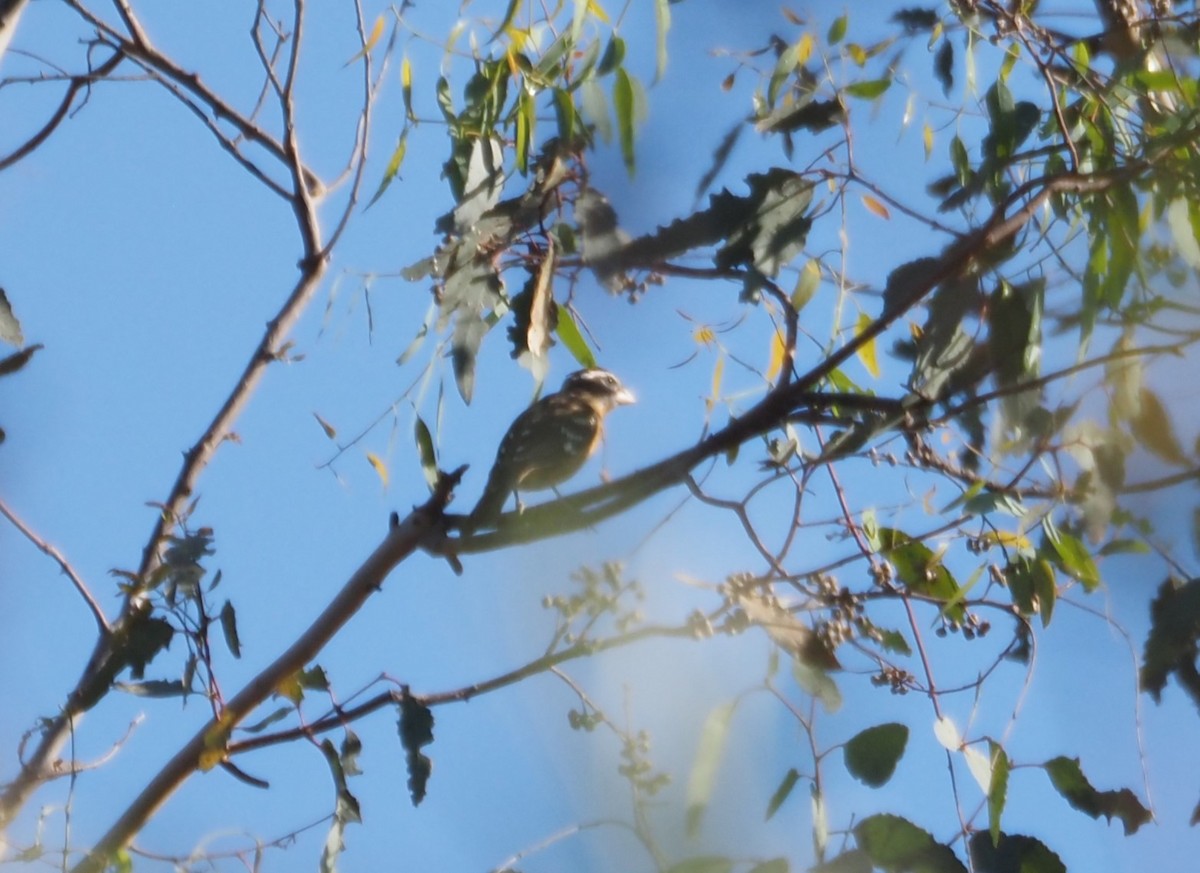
624	397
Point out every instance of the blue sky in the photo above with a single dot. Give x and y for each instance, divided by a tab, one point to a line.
147	263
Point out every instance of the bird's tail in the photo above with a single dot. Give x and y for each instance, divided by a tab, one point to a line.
487	510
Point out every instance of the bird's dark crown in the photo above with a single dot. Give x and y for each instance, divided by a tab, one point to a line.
594	380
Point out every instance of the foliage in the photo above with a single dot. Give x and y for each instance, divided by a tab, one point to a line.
1010	412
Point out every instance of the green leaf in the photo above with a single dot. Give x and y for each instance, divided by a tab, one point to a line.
565	115
573	340
510	14
154	688
614	54
854	861
526	123
623	106
1008	853
577	18
416	731
1067	777
279	714
818	683
896	845
595	107
406	88
790	778
662	24
1073	555
702	864
1153	429
1174	630
837	30
998	790
872	755
229	629
775	865
870	89
806	284
703	778
943	66
921	570
426	452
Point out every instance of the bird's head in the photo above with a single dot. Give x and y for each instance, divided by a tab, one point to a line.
600	386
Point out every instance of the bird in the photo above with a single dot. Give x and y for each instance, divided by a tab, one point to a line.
548	443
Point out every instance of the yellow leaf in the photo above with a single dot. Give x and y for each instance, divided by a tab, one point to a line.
804	49
876	207
329	429
376	33
718	372
406	87
381	469
806	284
927	136
597	10
778	350
866	352
1009	539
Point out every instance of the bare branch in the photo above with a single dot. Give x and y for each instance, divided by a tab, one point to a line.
76	83
64	564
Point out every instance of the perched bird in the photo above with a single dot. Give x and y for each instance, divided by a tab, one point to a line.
551	440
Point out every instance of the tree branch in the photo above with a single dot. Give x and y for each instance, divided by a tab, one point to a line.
208	746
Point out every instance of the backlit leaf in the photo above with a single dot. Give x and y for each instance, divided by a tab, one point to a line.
623	106
10	328
866	352
868	90
876	207
425	451
571	337
778	351
379	466
783	791
707	762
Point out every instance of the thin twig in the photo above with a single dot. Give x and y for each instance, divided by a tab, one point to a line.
64	565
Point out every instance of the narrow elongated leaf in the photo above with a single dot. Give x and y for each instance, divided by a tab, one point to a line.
1153	429
1073	555
623	106
866	352
707	763
229	629
426	451
392	170
997	794
662	24
869	90
837	30
571	337
790	778
381	470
